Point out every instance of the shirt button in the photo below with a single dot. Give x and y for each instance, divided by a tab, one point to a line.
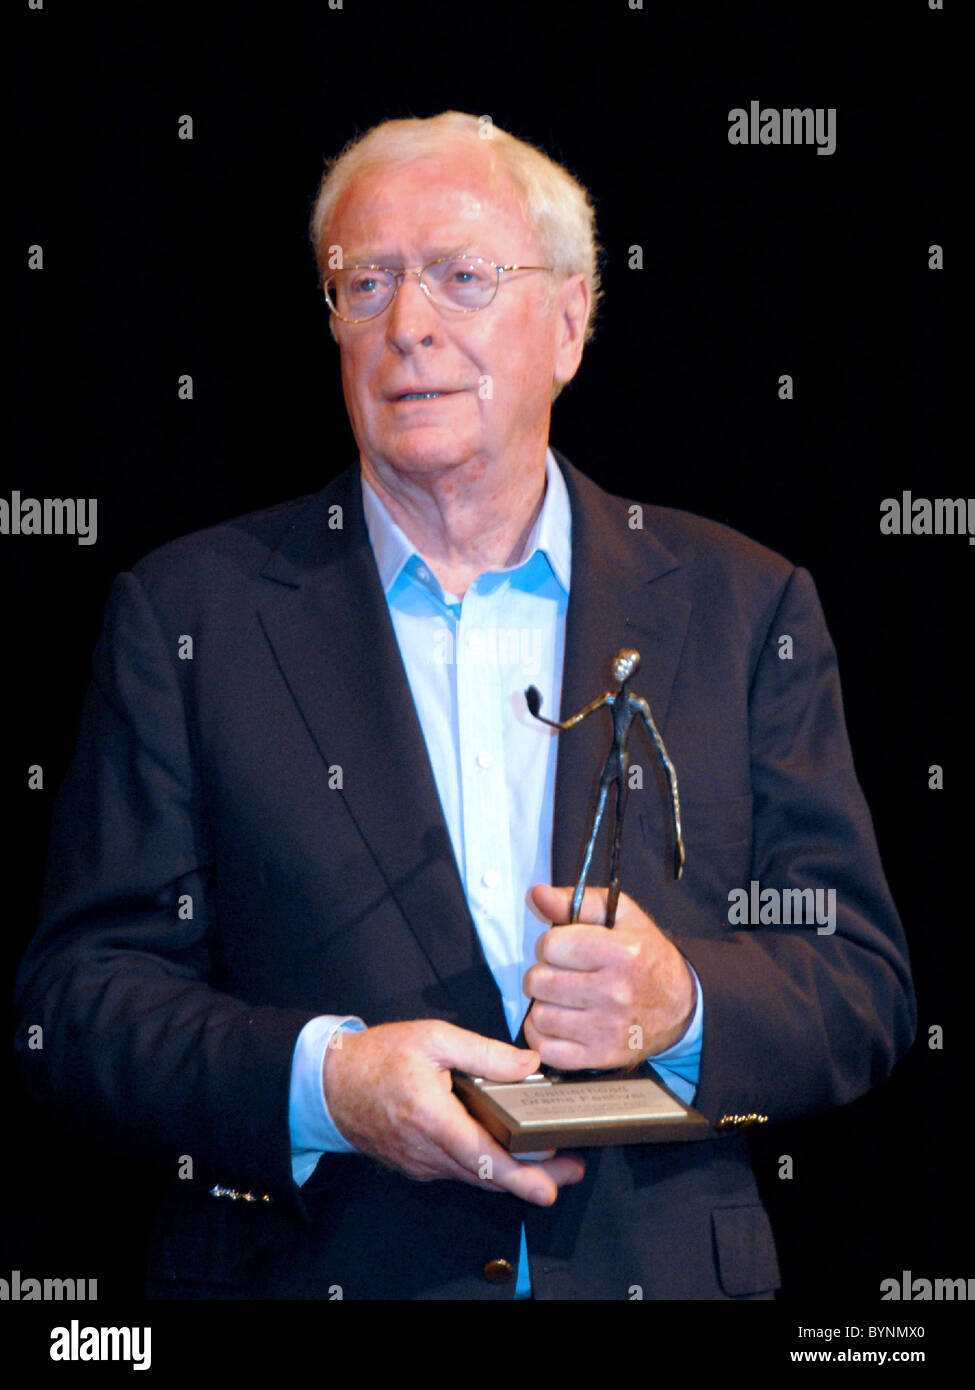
484	758
490	878
423	574
497	1271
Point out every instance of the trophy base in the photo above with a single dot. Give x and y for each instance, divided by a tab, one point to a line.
559	1111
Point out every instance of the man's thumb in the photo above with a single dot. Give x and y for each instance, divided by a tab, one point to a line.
555	904
497	1061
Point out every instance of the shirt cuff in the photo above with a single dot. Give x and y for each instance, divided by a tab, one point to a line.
312	1129
680	1065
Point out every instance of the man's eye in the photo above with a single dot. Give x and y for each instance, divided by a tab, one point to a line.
364	285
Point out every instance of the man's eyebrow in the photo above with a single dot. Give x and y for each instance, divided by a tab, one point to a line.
394	262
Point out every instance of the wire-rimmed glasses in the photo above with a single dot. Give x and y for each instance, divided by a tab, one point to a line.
463	284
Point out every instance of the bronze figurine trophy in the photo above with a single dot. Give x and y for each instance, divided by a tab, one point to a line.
553	1109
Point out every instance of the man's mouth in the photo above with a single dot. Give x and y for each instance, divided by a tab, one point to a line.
421	395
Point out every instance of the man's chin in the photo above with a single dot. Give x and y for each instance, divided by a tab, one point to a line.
426	451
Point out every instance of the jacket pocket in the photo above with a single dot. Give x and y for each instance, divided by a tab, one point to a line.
199	1239
744	1250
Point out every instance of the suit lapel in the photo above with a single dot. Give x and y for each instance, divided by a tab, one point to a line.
622	595
326	618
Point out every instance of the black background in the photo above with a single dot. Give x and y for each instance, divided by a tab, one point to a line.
164	256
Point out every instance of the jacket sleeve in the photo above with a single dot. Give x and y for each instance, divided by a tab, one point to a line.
798	1020
138	1050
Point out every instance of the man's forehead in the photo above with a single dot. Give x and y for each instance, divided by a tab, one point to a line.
435	208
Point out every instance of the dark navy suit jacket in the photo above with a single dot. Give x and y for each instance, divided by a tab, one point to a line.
210	889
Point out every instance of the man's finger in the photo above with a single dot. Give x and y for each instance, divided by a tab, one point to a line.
565	1169
552	984
550	1021
565	1055
481	1156
460	1049
556	904
537	1183
584	947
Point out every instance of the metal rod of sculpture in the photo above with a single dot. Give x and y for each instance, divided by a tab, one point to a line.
624	707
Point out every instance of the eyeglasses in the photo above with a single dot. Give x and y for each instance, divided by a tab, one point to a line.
465	284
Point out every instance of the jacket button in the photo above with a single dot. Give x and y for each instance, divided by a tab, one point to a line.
498	1271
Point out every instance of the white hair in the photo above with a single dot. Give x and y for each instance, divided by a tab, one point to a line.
552	201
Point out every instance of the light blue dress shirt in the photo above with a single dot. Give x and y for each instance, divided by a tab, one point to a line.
468	662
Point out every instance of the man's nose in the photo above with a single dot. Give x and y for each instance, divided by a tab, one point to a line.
413	317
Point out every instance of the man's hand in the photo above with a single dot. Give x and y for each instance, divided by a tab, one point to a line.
604	998
389	1092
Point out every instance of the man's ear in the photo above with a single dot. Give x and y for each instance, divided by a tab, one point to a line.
574	304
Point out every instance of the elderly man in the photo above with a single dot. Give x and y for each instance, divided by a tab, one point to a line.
311	861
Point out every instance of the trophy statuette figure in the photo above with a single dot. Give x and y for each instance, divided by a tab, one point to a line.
553	1109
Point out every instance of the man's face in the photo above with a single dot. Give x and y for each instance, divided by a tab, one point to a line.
495	367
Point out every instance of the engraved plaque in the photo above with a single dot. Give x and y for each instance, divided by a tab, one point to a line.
556	1111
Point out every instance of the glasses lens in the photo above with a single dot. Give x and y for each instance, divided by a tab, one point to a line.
463	283
359	292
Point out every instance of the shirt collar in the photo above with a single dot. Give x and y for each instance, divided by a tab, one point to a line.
551	534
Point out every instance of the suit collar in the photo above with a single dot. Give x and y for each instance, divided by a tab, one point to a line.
605	532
